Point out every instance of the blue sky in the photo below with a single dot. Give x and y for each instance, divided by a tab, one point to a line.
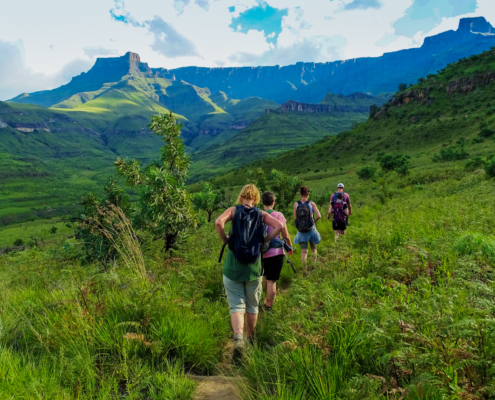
43	44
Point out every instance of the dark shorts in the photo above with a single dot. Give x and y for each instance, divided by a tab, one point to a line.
339	226
272	267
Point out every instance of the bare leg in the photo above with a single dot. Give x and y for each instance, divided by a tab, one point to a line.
237	320
271	292
313	255
251	320
336	236
264	283
304	256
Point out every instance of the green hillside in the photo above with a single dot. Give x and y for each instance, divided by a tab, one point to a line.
401	308
279	131
48	160
426	118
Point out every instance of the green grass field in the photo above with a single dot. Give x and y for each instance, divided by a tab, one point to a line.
402	307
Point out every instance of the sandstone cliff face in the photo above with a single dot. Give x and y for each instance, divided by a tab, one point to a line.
302	82
466	85
308	82
317	108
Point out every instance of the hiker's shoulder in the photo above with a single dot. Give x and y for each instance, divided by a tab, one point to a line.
278	215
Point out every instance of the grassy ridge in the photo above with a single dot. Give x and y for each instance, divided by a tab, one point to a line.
416	129
400	308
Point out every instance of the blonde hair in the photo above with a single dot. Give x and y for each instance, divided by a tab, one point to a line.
249	192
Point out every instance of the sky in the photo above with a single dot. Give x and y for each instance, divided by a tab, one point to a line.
43	44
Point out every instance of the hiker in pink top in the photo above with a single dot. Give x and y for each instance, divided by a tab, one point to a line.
273	258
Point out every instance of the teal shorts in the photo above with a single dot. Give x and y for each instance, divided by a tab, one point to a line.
243	296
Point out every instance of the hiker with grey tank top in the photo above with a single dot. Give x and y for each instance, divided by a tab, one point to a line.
306	214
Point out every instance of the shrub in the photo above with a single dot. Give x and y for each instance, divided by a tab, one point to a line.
18	242
490	168
476	140
474	163
451	153
399	163
367	172
486	132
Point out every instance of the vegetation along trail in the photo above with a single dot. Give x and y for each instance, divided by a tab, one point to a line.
400	307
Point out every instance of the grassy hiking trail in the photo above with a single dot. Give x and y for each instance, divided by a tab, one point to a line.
402	307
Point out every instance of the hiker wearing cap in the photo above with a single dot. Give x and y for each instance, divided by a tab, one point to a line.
340	209
306	214
274	257
242	267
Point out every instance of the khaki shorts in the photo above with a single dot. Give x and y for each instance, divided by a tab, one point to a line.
243	296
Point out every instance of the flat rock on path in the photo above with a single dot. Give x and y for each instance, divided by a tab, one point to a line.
215	388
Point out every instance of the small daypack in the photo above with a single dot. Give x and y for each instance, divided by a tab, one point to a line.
246	238
338	209
304	217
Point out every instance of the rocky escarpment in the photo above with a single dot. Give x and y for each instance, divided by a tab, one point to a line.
302	82
295	106
308	82
468	84
462	85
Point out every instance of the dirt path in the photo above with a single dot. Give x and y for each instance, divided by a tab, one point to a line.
219	387
215	388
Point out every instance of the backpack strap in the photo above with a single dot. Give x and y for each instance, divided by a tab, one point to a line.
221	253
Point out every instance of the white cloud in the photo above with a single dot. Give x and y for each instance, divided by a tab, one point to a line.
167	41
16	78
93	51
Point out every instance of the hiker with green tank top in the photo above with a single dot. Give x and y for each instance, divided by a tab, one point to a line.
306	214
242	273
273	258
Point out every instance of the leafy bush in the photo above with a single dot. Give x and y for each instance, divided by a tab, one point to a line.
399	163
486	132
451	153
490	168
18	242
474	163
367	172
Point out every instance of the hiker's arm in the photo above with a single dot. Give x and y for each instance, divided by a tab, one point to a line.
220	224
330	212
316	211
349	204
274	223
295	211
330	208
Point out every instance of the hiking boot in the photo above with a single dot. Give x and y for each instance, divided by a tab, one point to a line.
250	339
238	349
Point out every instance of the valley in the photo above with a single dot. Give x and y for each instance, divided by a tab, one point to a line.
399	308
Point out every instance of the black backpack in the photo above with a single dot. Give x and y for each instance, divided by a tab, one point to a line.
304	217
246	238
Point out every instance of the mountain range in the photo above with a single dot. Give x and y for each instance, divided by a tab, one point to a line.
57	144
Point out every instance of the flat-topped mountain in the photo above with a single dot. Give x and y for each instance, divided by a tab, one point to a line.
304	81
309	82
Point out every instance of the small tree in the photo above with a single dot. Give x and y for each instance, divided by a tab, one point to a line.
285	187
165	208
374	110
206	200
257	178
490	168
367	172
402	87
398	163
